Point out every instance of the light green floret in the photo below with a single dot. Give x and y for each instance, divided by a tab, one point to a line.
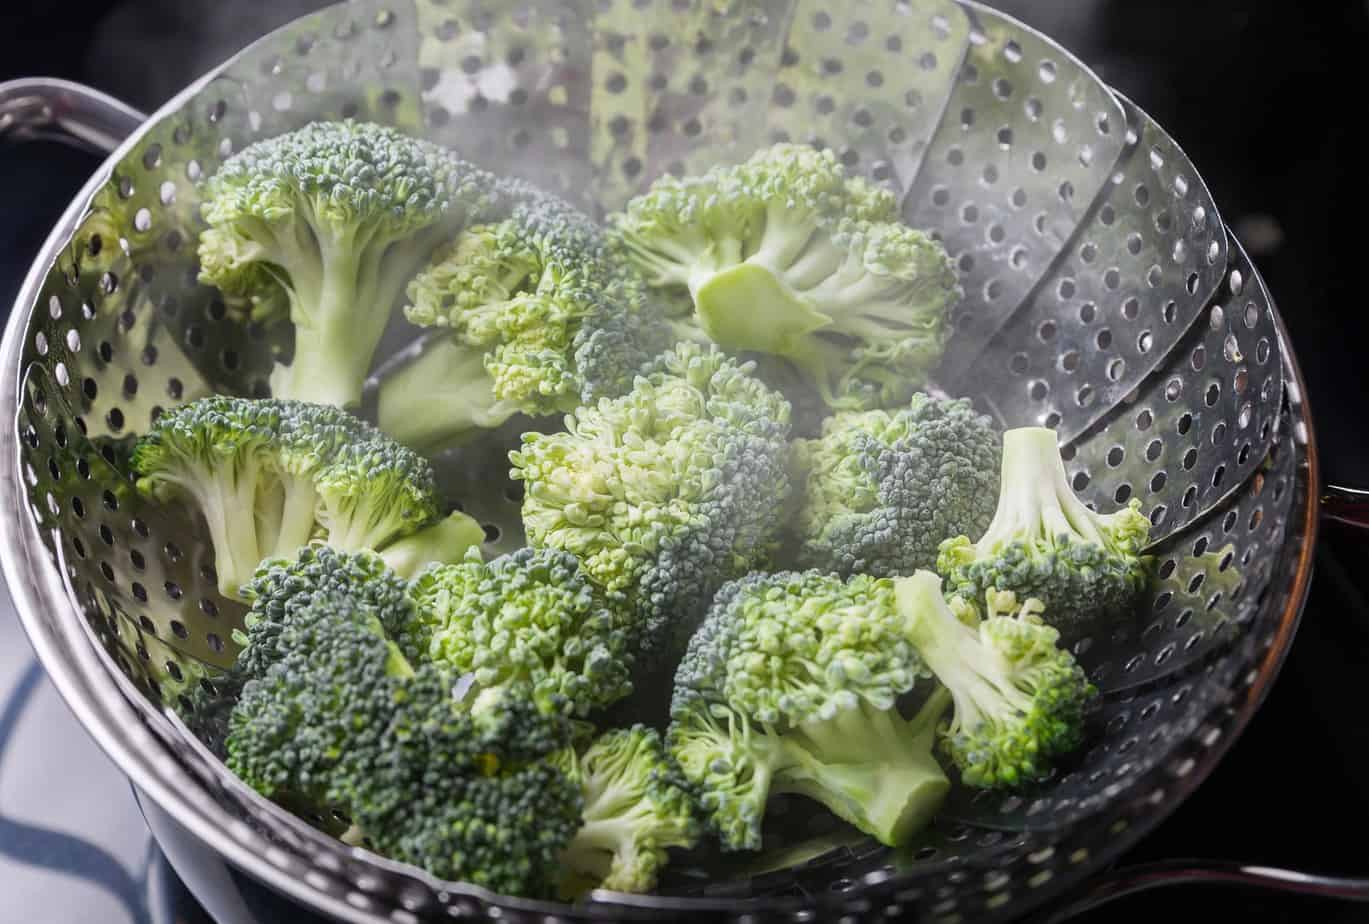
882	489
531	620
1043	542
637	807
666	492
340	215
269	476
790	686
788	255
540	315
1020	700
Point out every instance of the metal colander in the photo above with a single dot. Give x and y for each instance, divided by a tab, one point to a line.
1104	297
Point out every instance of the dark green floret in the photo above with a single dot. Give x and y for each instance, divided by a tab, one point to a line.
665	493
340	215
882	489
1043	542
786	254
790	686
532	621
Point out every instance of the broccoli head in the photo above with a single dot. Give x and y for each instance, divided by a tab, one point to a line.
1019	699
1043	542
268	476
337	718
542	315
532	621
666	492
636	807
339	215
882	489
786	254
790	686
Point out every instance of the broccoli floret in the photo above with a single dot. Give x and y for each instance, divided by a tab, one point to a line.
340	215
268	476
284	586
789	686
543	316
666	492
328	688
637	807
1043	542
1020	699
787	254
883	489
528	620
338	717
481	799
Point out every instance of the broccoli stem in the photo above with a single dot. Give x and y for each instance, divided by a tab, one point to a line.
443	395
750	307
443	542
1035	501
871	767
227	496
287	521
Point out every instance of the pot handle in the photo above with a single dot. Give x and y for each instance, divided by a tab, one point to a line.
1144	877
1347	507
49	109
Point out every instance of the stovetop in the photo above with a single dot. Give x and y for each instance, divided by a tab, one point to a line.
1239	83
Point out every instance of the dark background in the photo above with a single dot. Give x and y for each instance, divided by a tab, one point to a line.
1262	95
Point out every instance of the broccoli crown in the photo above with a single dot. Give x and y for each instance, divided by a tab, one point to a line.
636	807
476	799
339	718
787	254
270	475
320	211
327	689
666	492
1044	543
883	489
544	302
531	619
1020	700
283	587
790	686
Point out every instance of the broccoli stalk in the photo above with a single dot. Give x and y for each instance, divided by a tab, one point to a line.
439	397
871	767
1019	699
1044	543
446	540
340	215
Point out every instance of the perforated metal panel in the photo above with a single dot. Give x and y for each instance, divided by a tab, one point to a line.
595	100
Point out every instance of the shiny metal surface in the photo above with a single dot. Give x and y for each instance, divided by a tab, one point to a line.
596	99
59	110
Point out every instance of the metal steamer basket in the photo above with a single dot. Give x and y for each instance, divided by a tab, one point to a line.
1104	297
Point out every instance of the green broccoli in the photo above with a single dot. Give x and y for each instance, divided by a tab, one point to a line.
787	254
268	476
1043	542
1020	700
636	808
665	493
340	215
339	718
541	314
790	686
530	620
882	489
